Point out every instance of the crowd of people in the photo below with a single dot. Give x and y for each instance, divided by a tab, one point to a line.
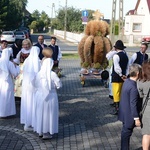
26	73
129	86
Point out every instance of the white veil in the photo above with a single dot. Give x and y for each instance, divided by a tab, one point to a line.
43	79
45	71
31	67
4	62
31	63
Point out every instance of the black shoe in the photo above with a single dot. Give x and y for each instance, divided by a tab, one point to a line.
112	104
46	136
40	135
110	96
115	112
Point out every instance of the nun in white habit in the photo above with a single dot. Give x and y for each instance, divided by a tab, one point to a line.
47	110
31	67
7	72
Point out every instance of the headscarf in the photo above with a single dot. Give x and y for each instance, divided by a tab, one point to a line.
24	51
4	62
32	62
43	79
45	71
31	67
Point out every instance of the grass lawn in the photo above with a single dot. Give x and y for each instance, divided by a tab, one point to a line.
70	56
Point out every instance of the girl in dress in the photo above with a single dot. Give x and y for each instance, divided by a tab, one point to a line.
47	110
7	71
30	68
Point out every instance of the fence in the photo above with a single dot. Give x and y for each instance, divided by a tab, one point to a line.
129	40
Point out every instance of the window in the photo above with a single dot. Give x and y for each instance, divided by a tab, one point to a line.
137	27
127	27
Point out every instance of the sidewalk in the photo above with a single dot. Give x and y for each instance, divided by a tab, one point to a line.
85	122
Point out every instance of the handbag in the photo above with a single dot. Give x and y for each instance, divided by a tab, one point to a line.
144	105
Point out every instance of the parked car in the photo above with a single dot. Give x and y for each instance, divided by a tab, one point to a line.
9	36
26	33
20	35
25	29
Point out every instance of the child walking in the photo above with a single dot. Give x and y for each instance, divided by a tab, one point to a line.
47	110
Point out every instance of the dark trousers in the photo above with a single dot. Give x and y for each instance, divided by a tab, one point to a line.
56	64
125	137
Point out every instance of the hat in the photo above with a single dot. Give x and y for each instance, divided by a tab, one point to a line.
105	75
119	45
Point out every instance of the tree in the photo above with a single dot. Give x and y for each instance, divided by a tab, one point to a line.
33	25
74	22
3	13
44	17
11	13
40	25
74	19
40	20
60	19
36	15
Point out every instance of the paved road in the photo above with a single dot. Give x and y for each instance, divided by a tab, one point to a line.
72	47
65	45
85	122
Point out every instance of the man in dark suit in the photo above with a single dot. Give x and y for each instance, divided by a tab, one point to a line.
41	45
56	51
141	56
128	107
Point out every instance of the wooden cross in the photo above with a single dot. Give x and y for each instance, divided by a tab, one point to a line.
97	15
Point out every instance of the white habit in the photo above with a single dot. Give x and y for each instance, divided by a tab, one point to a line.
7	72
47	110
31	67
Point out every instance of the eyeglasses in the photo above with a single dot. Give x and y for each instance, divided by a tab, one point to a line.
40	39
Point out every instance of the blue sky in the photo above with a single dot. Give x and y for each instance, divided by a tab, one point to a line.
105	6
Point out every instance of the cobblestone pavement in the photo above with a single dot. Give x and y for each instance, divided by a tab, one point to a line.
85	122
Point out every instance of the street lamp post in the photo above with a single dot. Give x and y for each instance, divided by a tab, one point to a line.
53	6
65	21
51	17
53	9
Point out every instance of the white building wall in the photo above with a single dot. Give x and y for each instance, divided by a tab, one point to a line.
142	16
146	26
144	10
129	21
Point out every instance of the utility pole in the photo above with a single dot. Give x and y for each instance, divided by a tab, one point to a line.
53	9
65	21
121	23
113	19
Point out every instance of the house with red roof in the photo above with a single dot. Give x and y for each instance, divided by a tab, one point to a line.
137	21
